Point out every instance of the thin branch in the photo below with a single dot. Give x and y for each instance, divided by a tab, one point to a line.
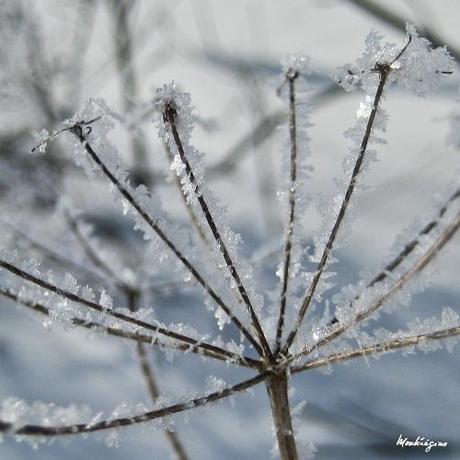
409	247
163	286
201	348
376	348
262	132
264	174
259	134
401	52
421	263
78	132
97	307
170	117
149	378
154	392
291	77
53	255
384	72
39	430
91	253
81	40
132	293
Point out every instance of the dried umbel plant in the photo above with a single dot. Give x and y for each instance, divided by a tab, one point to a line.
293	332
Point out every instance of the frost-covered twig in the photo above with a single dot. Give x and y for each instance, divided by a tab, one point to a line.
54	256
78	132
95	306
376	348
132	294
384	71
419	265
170	117
91	254
418	68
259	134
199	347
409	248
291	76
43	430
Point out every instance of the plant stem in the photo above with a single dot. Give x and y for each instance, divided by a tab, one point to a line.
419	265
377	348
291	77
384	71
154	392
111	312
170	117
66	430
409	247
277	387
200	347
78	133
90	253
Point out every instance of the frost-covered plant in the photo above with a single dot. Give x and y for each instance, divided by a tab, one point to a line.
283	332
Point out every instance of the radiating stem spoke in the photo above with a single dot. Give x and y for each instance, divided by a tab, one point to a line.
115	314
170	116
418	266
291	77
65	430
377	348
78	132
384	72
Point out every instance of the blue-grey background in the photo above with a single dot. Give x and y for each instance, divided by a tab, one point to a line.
226	55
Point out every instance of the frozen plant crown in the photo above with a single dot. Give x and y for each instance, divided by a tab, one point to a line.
282	332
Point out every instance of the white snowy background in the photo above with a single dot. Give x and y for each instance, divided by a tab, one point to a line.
359	409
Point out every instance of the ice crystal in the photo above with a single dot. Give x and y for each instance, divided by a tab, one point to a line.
418	69
215	384
41	141
297	62
18	413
